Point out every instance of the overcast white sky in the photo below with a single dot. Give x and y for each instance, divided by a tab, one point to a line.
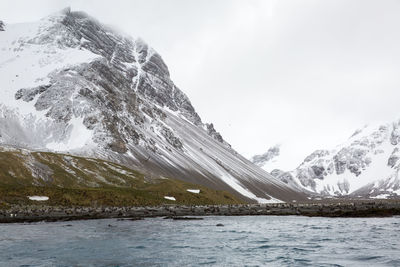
305	74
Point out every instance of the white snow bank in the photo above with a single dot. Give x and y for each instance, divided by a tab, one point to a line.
79	136
381	196
38	198
170	198
232	182
194	191
397	192
272	200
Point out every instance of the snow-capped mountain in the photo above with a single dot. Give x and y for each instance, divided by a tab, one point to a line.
282	156
268	158
70	84
367	164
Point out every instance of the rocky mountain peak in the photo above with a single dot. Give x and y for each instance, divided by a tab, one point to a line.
261	160
212	132
1	25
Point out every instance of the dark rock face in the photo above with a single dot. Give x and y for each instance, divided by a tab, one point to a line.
319	171
353	159
1	25
213	133
171	138
29	94
395	135
304	177
394	157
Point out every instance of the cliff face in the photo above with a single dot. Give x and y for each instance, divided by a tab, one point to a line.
70	84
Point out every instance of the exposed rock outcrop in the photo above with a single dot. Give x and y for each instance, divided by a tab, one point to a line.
272	152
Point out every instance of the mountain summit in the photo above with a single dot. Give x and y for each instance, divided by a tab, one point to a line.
70	84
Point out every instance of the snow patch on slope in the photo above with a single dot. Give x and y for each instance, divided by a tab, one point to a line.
194	191
79	136
20	55
38	198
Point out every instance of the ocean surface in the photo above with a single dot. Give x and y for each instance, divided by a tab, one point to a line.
242	241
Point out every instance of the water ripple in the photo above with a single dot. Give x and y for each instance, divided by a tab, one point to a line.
243	241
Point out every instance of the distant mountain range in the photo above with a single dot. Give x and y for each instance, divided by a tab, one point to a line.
366	165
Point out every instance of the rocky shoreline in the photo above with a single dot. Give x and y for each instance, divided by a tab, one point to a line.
17	213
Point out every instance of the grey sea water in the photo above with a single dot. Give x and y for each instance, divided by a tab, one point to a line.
242	241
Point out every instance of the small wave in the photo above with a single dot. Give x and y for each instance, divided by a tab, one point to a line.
296	249
314	245
368	258
322	239
264	247
320	228
236	239
353	248
332	265
302	260
207	262
393	262
139	247
181	246
261	241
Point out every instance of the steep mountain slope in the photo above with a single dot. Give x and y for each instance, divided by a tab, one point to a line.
71	84
366	165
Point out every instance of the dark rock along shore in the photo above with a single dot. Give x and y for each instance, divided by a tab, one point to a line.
338	209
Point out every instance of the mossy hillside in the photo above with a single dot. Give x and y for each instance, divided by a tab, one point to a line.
70	180
50	169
